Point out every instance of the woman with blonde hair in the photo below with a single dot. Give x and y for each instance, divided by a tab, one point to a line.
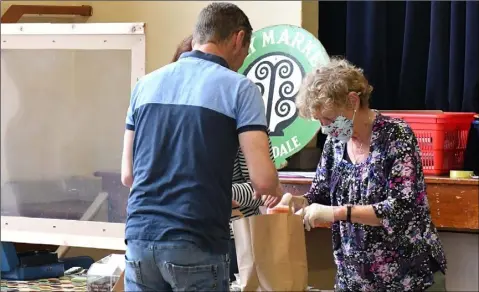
370	185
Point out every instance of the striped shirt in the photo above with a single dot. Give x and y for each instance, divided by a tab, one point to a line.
242	189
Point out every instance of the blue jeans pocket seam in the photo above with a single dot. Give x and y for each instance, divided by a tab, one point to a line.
135	266
173	270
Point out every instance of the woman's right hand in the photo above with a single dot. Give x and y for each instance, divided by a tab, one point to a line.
285	199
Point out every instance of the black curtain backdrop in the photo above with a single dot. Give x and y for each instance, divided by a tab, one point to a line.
417	55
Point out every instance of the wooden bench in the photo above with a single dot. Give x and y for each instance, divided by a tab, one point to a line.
454	203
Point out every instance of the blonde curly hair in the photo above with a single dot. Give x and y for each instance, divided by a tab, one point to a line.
327	87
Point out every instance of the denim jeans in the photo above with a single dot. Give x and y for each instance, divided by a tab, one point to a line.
174	266
233	261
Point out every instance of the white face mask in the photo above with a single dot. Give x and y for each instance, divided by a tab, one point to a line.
341	128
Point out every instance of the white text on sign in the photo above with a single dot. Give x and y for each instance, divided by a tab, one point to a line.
287	147
296	41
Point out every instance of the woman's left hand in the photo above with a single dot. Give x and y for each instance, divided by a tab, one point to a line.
316	213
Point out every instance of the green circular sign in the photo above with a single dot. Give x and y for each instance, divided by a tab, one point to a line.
279	58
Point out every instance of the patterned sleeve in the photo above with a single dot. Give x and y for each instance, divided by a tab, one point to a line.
319	190
406	191
243	192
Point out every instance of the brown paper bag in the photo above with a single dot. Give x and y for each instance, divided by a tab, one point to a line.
271	252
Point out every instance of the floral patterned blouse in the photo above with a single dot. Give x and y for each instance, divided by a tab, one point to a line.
404	253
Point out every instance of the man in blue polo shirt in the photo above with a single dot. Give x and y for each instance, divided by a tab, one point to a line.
183	128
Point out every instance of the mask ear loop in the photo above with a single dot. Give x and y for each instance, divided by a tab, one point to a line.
355	110
354	115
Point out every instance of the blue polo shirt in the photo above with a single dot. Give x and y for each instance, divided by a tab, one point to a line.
187	117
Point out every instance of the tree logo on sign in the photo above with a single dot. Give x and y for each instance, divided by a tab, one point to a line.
279	57
278	77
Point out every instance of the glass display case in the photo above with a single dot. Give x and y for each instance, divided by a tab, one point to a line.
65	90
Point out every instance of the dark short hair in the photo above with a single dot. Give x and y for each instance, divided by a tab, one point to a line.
183	47
218	21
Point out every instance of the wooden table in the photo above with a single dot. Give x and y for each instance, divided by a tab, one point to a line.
454	203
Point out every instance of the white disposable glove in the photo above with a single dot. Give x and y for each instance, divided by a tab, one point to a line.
285	199
316	213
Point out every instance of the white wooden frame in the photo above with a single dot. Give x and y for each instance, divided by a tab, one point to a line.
88	234
85	36
80	36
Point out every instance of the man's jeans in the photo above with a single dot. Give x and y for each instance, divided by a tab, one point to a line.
233	261
174	266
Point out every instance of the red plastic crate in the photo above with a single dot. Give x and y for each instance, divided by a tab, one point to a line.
442	138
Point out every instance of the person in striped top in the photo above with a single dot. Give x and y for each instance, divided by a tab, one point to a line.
243	190
243	194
